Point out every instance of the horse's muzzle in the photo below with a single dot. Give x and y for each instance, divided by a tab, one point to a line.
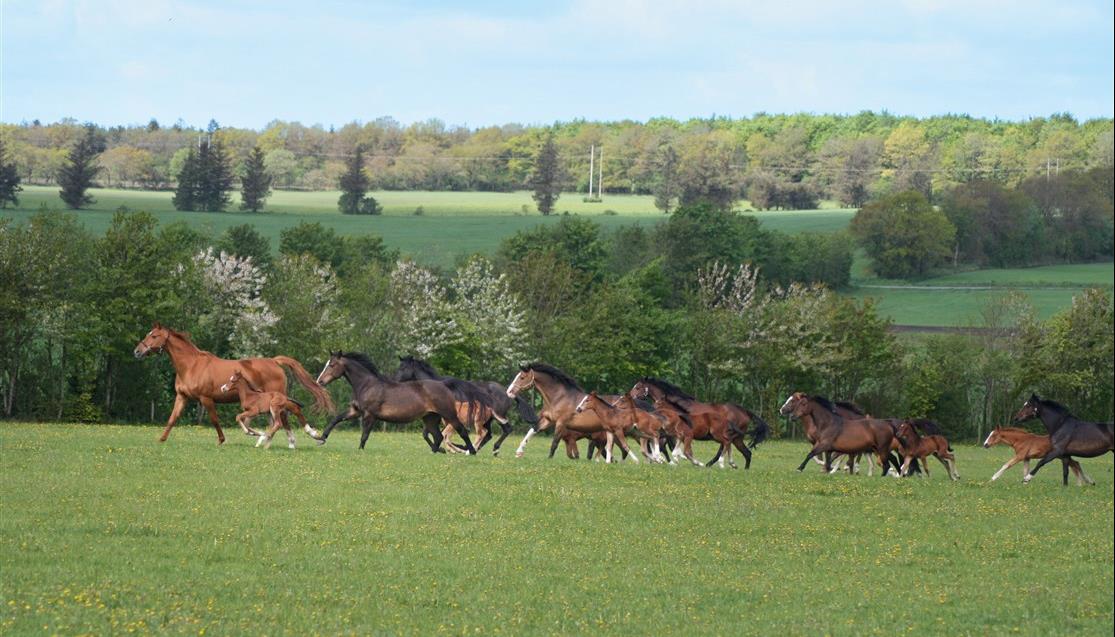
986	446
139	353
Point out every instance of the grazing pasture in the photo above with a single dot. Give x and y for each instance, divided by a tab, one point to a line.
103	530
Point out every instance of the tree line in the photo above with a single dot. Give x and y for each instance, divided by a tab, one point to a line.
707	298
773	161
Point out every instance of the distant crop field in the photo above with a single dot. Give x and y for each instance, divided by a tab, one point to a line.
105	531
961	308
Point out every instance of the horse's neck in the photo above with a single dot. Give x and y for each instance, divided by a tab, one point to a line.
181	352
1054	420
821	423
358	377
551	390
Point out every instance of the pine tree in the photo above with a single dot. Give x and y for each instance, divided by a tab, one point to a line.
216	180
546	177
9	180
77	175
186	194
354	184
667	189
255	185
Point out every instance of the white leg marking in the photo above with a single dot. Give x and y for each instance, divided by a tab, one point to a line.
523	444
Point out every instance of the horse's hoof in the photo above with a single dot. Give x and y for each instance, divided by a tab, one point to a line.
495	453
518	454
319	441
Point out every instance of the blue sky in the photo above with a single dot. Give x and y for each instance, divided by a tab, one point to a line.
480	63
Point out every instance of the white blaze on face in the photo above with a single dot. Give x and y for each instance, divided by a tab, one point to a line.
581	405
786	405
511	390
987	443
327	364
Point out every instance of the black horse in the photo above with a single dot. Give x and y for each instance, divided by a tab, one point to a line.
492	395
376	397
1068	435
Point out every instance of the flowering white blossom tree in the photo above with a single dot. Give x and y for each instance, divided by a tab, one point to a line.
305	296
491	314
236	313
424	320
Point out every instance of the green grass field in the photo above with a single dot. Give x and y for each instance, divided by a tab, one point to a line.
105	531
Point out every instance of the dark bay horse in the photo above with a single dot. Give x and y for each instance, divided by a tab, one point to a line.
834	433
376	397
1068	435
1027	446
495	399
198	375
726	423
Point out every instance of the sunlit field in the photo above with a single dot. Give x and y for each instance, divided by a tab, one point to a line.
103	530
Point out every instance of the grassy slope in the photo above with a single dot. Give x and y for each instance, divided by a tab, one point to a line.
104	530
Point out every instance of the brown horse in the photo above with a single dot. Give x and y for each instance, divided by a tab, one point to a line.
650	425
615	423
376	397
561	395
914	445
255	402
833	433
724	422
1028	446
198	375
1068	435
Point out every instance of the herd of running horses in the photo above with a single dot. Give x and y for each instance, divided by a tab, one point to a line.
664	419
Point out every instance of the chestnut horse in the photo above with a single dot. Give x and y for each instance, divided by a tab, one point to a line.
198	375
255	402
834	433
1068	435
617	422
914	445
1028	446
376	397
724	422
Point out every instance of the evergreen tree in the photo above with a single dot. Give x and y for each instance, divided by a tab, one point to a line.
9	180
354	185
255	185
216	177
667	189
186	194
245	241
77	174
545	179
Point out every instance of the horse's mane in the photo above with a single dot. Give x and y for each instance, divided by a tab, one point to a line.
926	426
852	407
362	359
824	402
565	379
673	403
421	365
669	388
1054	405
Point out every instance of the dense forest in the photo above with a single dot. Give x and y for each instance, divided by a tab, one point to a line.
775	161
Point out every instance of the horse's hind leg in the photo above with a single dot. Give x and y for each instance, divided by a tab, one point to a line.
297	411
741	444
717	457
446	435
366	425
432	433
505	425
1081	477
1064	472
286	426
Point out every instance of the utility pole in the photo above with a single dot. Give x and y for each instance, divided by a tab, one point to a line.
591	170
600	182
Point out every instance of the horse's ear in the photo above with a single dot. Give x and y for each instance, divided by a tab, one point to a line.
157	325
523	368
1033	396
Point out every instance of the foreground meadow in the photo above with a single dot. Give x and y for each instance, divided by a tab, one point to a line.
105	531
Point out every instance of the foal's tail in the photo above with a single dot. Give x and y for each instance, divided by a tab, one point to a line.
323	402
526	410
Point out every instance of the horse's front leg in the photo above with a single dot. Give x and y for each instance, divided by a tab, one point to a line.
349	414
543	423
211	407
366	425
1049	457
1007	465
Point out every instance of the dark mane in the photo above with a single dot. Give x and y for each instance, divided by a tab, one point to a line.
925	426
669	388
362	359
421	365
824	402
565	379
677	407
1054	405
852	407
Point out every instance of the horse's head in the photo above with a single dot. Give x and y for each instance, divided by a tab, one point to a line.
906	433
645	391
154	342
233	382
523	381
1030	409
993	438
795	406
588	402
334	368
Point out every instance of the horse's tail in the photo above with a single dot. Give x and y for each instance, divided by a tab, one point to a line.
760	432
323	402
526	410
